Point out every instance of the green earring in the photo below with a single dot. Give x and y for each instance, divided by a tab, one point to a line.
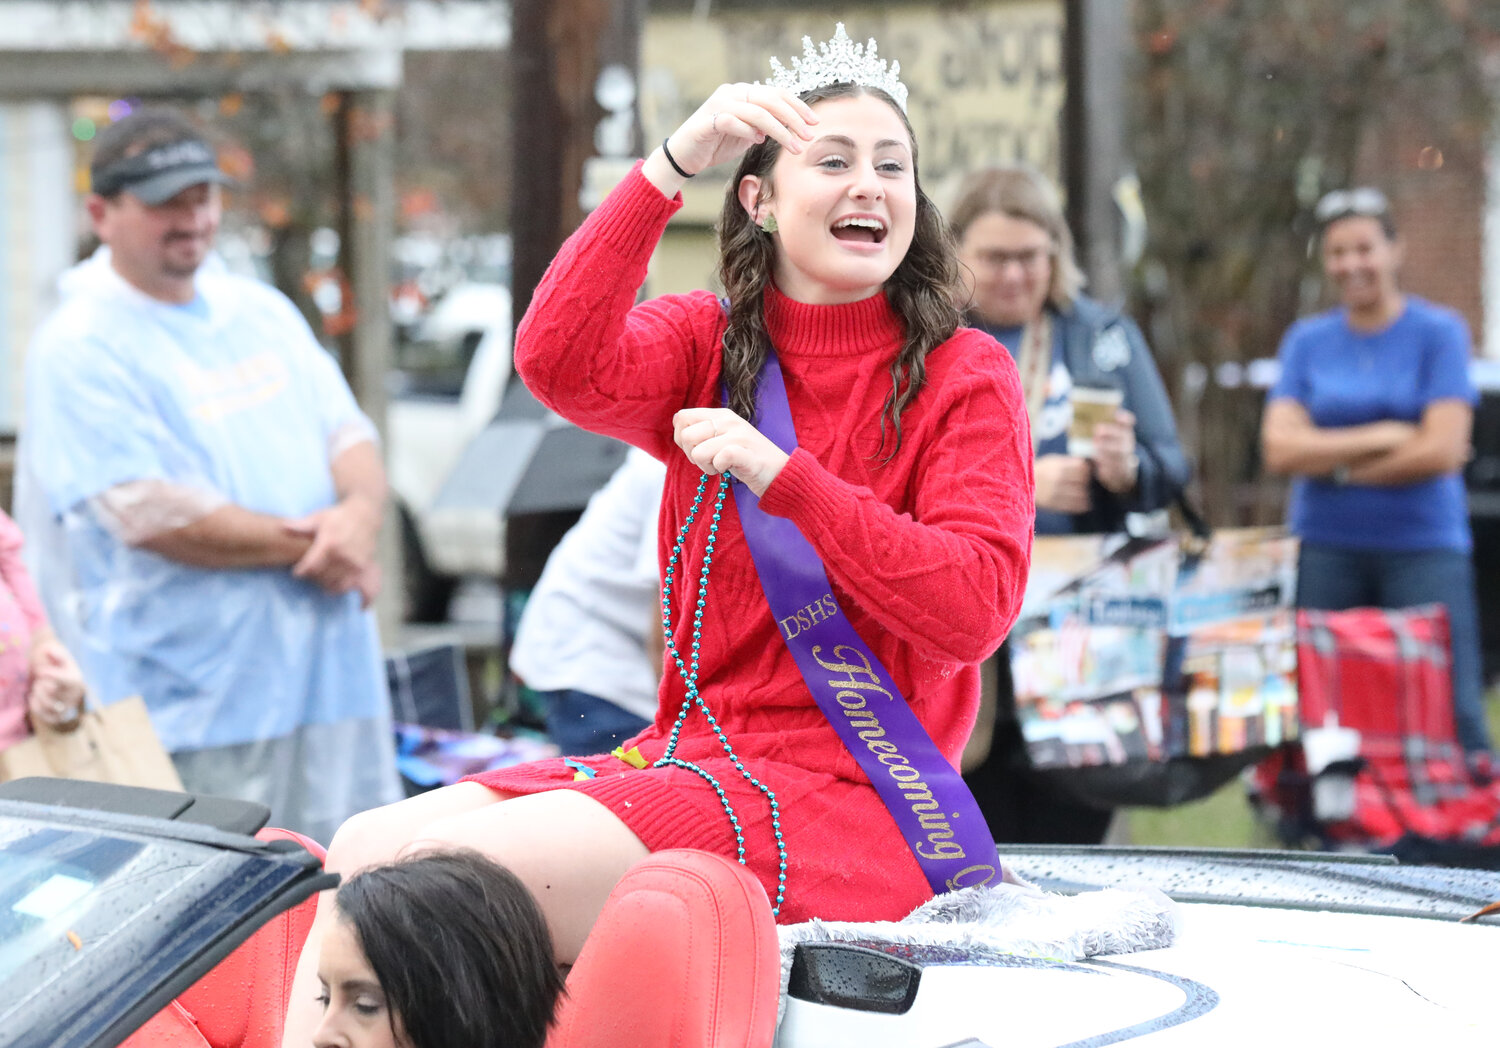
769	225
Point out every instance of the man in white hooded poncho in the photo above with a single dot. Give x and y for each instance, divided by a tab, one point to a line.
203	497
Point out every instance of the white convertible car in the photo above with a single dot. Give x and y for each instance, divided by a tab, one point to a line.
113	902
1269	948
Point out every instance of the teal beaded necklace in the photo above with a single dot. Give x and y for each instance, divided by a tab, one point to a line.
689	673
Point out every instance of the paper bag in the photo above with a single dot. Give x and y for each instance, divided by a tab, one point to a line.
113	743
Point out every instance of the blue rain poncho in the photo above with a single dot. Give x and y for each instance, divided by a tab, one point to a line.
261	685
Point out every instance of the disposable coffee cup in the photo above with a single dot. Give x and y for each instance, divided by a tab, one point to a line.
1091	406
1329	751
1328	745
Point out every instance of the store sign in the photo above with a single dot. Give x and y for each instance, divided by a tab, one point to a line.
986	81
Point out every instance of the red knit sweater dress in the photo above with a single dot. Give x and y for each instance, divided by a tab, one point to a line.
927	552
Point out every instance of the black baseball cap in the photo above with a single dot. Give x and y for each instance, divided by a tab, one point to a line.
153	154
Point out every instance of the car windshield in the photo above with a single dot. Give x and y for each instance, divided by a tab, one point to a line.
436	366
65	894
104	916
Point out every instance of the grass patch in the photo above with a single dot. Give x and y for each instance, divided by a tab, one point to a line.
1221	820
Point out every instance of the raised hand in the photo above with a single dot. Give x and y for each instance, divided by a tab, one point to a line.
1062	483
1115	461
716	440
730	121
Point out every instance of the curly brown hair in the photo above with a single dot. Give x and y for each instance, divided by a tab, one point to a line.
921	290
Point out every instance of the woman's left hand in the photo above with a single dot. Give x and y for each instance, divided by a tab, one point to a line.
716	440
1115	461
56	693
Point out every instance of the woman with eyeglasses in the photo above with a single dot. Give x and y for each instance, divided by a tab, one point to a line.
1022	284
1371	417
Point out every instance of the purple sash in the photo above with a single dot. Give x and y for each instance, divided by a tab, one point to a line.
932	806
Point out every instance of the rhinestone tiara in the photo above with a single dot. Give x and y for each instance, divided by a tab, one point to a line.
839	61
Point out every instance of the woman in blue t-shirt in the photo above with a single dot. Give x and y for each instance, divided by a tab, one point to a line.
1371	416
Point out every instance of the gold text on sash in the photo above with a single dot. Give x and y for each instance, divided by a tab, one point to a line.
852	691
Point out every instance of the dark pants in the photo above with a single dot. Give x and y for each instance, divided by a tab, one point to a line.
1022	806
583	724
1331	579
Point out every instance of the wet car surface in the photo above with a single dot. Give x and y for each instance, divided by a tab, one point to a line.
105	916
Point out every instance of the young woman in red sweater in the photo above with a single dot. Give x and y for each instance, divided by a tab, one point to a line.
911	480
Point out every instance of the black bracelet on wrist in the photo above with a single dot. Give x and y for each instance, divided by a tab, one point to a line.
675	165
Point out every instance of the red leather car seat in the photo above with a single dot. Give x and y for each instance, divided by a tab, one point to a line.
242	1002
684	956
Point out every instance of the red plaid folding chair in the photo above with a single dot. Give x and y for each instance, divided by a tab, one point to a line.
1385	674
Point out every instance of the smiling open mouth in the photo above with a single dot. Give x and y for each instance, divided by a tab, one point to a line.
862	230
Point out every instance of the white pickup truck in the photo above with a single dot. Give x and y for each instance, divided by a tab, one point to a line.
447	384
